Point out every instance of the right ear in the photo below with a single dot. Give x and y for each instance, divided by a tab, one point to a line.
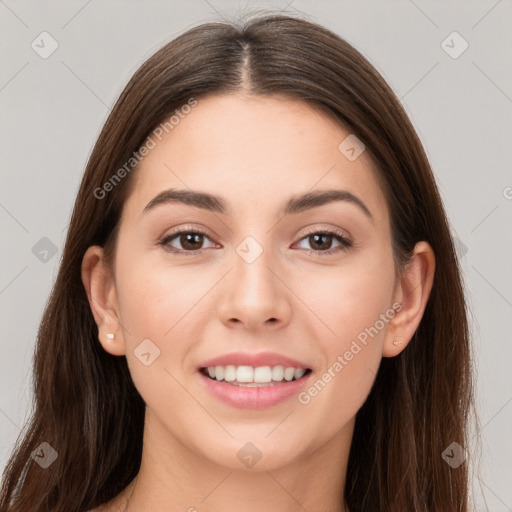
100	288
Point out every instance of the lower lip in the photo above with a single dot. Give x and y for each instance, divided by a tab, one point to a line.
254	398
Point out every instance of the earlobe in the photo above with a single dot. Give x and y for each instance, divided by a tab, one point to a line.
101	293
413	292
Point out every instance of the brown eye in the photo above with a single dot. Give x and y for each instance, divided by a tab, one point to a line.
187	241
321	243
191	241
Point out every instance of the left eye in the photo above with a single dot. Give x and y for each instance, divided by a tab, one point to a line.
322	242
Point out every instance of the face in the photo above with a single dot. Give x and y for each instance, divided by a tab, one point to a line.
259	277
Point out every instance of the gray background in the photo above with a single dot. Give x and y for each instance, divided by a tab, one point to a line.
52	110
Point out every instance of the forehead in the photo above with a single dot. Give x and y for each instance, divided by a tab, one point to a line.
255	151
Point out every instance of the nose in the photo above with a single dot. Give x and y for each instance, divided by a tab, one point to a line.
255	294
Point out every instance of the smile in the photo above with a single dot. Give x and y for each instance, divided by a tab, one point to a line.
249	376
258	387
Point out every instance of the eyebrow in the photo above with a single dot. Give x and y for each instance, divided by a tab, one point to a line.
217	204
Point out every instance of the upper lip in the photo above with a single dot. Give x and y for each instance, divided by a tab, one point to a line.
253	359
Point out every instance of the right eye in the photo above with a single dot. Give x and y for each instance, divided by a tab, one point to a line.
189	240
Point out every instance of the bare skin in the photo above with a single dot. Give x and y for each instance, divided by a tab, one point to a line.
256	153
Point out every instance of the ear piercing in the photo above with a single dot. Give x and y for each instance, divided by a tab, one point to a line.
396	342
110	336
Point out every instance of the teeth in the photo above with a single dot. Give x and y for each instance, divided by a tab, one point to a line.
244	374
230	373
289	373
262	374
277	373
258	375
219	372
299	372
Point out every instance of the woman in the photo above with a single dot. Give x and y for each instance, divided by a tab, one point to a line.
259	303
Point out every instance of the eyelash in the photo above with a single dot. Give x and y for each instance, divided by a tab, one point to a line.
338	235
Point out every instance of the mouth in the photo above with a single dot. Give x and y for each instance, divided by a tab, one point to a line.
253	380
254	377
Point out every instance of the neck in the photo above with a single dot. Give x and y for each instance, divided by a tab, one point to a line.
174	477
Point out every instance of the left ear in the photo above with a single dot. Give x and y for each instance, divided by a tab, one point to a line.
413	292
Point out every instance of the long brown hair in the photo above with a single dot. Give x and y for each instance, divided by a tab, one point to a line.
86	406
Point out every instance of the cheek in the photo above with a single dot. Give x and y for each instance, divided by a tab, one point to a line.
155	299
155	306
351	299
168	305
354	306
